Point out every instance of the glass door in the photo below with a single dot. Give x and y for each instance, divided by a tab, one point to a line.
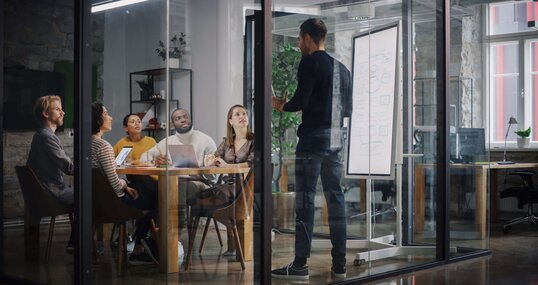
468	141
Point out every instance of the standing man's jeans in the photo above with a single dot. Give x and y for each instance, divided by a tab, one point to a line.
308	167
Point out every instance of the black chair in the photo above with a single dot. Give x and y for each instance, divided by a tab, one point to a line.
388	191
39	202
525	194
228	214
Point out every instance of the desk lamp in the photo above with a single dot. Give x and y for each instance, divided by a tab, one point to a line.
511	122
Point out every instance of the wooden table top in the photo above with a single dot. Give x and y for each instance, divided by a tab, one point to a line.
492	164
144	170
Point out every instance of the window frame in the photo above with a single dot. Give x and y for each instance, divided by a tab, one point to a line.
524	40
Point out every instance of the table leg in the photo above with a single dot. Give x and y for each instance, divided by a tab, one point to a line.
493	197
481	201
419	203
244	228
168	223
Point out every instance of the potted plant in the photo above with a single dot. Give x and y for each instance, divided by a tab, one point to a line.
286	58
175	51
523	137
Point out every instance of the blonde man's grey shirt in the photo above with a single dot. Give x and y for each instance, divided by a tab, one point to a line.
48	160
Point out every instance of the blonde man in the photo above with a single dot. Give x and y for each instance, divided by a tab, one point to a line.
47	156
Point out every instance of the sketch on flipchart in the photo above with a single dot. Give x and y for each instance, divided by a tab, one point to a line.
374	92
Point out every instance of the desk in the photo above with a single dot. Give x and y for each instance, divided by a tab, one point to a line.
481	184
168	209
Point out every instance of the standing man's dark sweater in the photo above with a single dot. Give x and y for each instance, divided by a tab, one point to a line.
316	96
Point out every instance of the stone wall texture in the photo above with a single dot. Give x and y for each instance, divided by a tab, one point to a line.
38	34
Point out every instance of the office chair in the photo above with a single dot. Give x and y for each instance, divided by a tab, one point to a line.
39	202
228	214
386	187
525	194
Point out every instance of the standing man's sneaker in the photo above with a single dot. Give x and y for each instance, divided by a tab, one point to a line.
291	272
338	271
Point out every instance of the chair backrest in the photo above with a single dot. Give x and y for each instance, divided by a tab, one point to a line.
39	201
526	176
107	206
240	208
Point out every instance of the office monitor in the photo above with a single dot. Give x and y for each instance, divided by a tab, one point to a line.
472	144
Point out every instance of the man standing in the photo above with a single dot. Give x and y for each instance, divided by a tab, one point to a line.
202	143
47	157
324	96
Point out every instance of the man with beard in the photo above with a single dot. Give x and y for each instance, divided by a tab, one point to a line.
202	144
324	97
47	157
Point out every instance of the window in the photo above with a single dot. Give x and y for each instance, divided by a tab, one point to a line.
513	69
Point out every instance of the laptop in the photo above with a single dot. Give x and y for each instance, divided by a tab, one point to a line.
123	155
183	156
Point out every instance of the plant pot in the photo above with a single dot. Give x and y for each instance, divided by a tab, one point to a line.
174	62
284	210
283	182
523	142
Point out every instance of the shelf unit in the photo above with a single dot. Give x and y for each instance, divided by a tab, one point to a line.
180	94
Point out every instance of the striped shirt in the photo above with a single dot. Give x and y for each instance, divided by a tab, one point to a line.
103	158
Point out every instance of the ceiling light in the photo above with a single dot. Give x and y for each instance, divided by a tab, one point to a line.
106	5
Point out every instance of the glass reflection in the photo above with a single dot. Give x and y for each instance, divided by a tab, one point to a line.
38	142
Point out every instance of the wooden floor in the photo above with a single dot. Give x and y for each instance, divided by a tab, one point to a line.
513	262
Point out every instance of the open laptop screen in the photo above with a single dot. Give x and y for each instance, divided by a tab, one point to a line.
183	156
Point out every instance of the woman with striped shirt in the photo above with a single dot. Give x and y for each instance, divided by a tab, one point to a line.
103	158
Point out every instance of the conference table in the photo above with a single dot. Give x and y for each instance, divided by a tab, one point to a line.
480	174
168	209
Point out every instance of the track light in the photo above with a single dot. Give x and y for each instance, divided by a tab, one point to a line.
106	5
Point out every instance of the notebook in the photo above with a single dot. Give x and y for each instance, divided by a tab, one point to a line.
183	156
123	155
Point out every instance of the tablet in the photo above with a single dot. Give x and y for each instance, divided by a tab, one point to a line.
123	155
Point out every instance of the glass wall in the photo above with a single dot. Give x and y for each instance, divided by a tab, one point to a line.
147	60
167	73
380	139
367	39
38	56
469	143
177	66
